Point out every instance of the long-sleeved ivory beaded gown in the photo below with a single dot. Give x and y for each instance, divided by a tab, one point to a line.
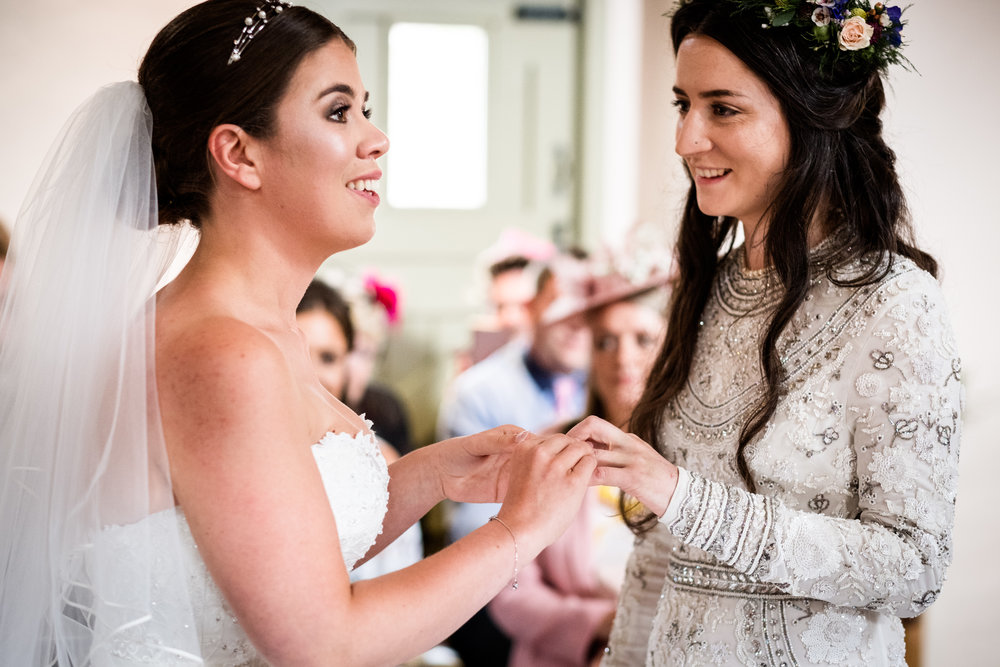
856	474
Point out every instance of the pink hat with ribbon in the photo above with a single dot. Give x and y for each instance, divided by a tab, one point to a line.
618	275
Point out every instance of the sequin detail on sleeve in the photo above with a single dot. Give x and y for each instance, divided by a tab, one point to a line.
855	474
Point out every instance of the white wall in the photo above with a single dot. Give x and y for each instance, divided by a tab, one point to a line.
943	125
948	141
53	55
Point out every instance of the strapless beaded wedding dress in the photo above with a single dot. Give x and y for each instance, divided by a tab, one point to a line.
356	481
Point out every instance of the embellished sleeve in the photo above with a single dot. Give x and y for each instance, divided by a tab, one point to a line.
902	401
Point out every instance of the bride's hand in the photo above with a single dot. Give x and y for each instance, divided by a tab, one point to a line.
475	468
548	479
630	463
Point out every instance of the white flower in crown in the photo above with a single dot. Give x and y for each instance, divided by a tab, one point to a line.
821	16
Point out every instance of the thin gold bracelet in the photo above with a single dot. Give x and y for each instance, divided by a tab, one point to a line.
501	522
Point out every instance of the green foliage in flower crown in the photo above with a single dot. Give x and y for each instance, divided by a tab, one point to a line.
855	34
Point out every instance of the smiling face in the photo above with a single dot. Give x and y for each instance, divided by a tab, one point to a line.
318	168
731	133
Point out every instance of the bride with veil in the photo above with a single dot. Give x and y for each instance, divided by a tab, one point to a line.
177	487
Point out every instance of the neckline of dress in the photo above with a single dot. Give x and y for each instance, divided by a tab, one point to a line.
744	291
362	434
815	252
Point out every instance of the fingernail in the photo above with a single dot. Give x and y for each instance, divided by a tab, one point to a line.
521	437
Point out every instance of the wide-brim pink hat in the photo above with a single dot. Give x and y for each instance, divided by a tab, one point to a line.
592	291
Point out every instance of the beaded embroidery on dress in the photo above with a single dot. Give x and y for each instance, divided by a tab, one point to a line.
856	478
356	481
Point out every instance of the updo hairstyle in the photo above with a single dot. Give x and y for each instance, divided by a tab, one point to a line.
190	89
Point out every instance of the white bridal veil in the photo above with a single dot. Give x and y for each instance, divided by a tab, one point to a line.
80	442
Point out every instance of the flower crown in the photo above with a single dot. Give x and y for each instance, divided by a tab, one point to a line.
865	35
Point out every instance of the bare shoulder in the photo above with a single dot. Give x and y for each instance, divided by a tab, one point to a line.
216	350
221	380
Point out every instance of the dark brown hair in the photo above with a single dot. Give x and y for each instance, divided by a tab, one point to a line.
512	263
840	171
4	240
320	296
191	89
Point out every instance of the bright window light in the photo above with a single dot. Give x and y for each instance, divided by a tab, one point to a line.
437	116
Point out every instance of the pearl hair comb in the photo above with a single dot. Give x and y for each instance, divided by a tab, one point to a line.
265	12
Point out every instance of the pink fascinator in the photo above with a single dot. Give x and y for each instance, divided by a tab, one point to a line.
386	294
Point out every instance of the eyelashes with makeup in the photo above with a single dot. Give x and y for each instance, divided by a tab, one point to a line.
720	110
338	114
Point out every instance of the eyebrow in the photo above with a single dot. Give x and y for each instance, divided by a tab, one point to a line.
718	92
340	88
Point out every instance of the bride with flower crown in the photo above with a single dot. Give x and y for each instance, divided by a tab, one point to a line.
177	486
804	417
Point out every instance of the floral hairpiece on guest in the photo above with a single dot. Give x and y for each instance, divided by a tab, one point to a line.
867	36
645	252
385	294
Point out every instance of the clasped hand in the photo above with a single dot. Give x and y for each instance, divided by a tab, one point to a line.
487	466
627	461
479	468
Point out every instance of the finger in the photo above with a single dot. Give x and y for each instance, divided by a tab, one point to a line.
612	459
551	445
599	477
584	468
511	433
573	454
599	432
586	426
607	476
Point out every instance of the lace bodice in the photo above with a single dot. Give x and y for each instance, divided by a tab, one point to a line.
355	478
856	475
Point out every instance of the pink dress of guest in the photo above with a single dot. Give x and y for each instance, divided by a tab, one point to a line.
559	603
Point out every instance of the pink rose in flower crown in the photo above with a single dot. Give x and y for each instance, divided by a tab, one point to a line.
855	34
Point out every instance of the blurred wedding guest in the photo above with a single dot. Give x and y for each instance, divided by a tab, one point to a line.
562	612
510	267
513	264
4	243
374	309
532	384
324	318
511	289
512	283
